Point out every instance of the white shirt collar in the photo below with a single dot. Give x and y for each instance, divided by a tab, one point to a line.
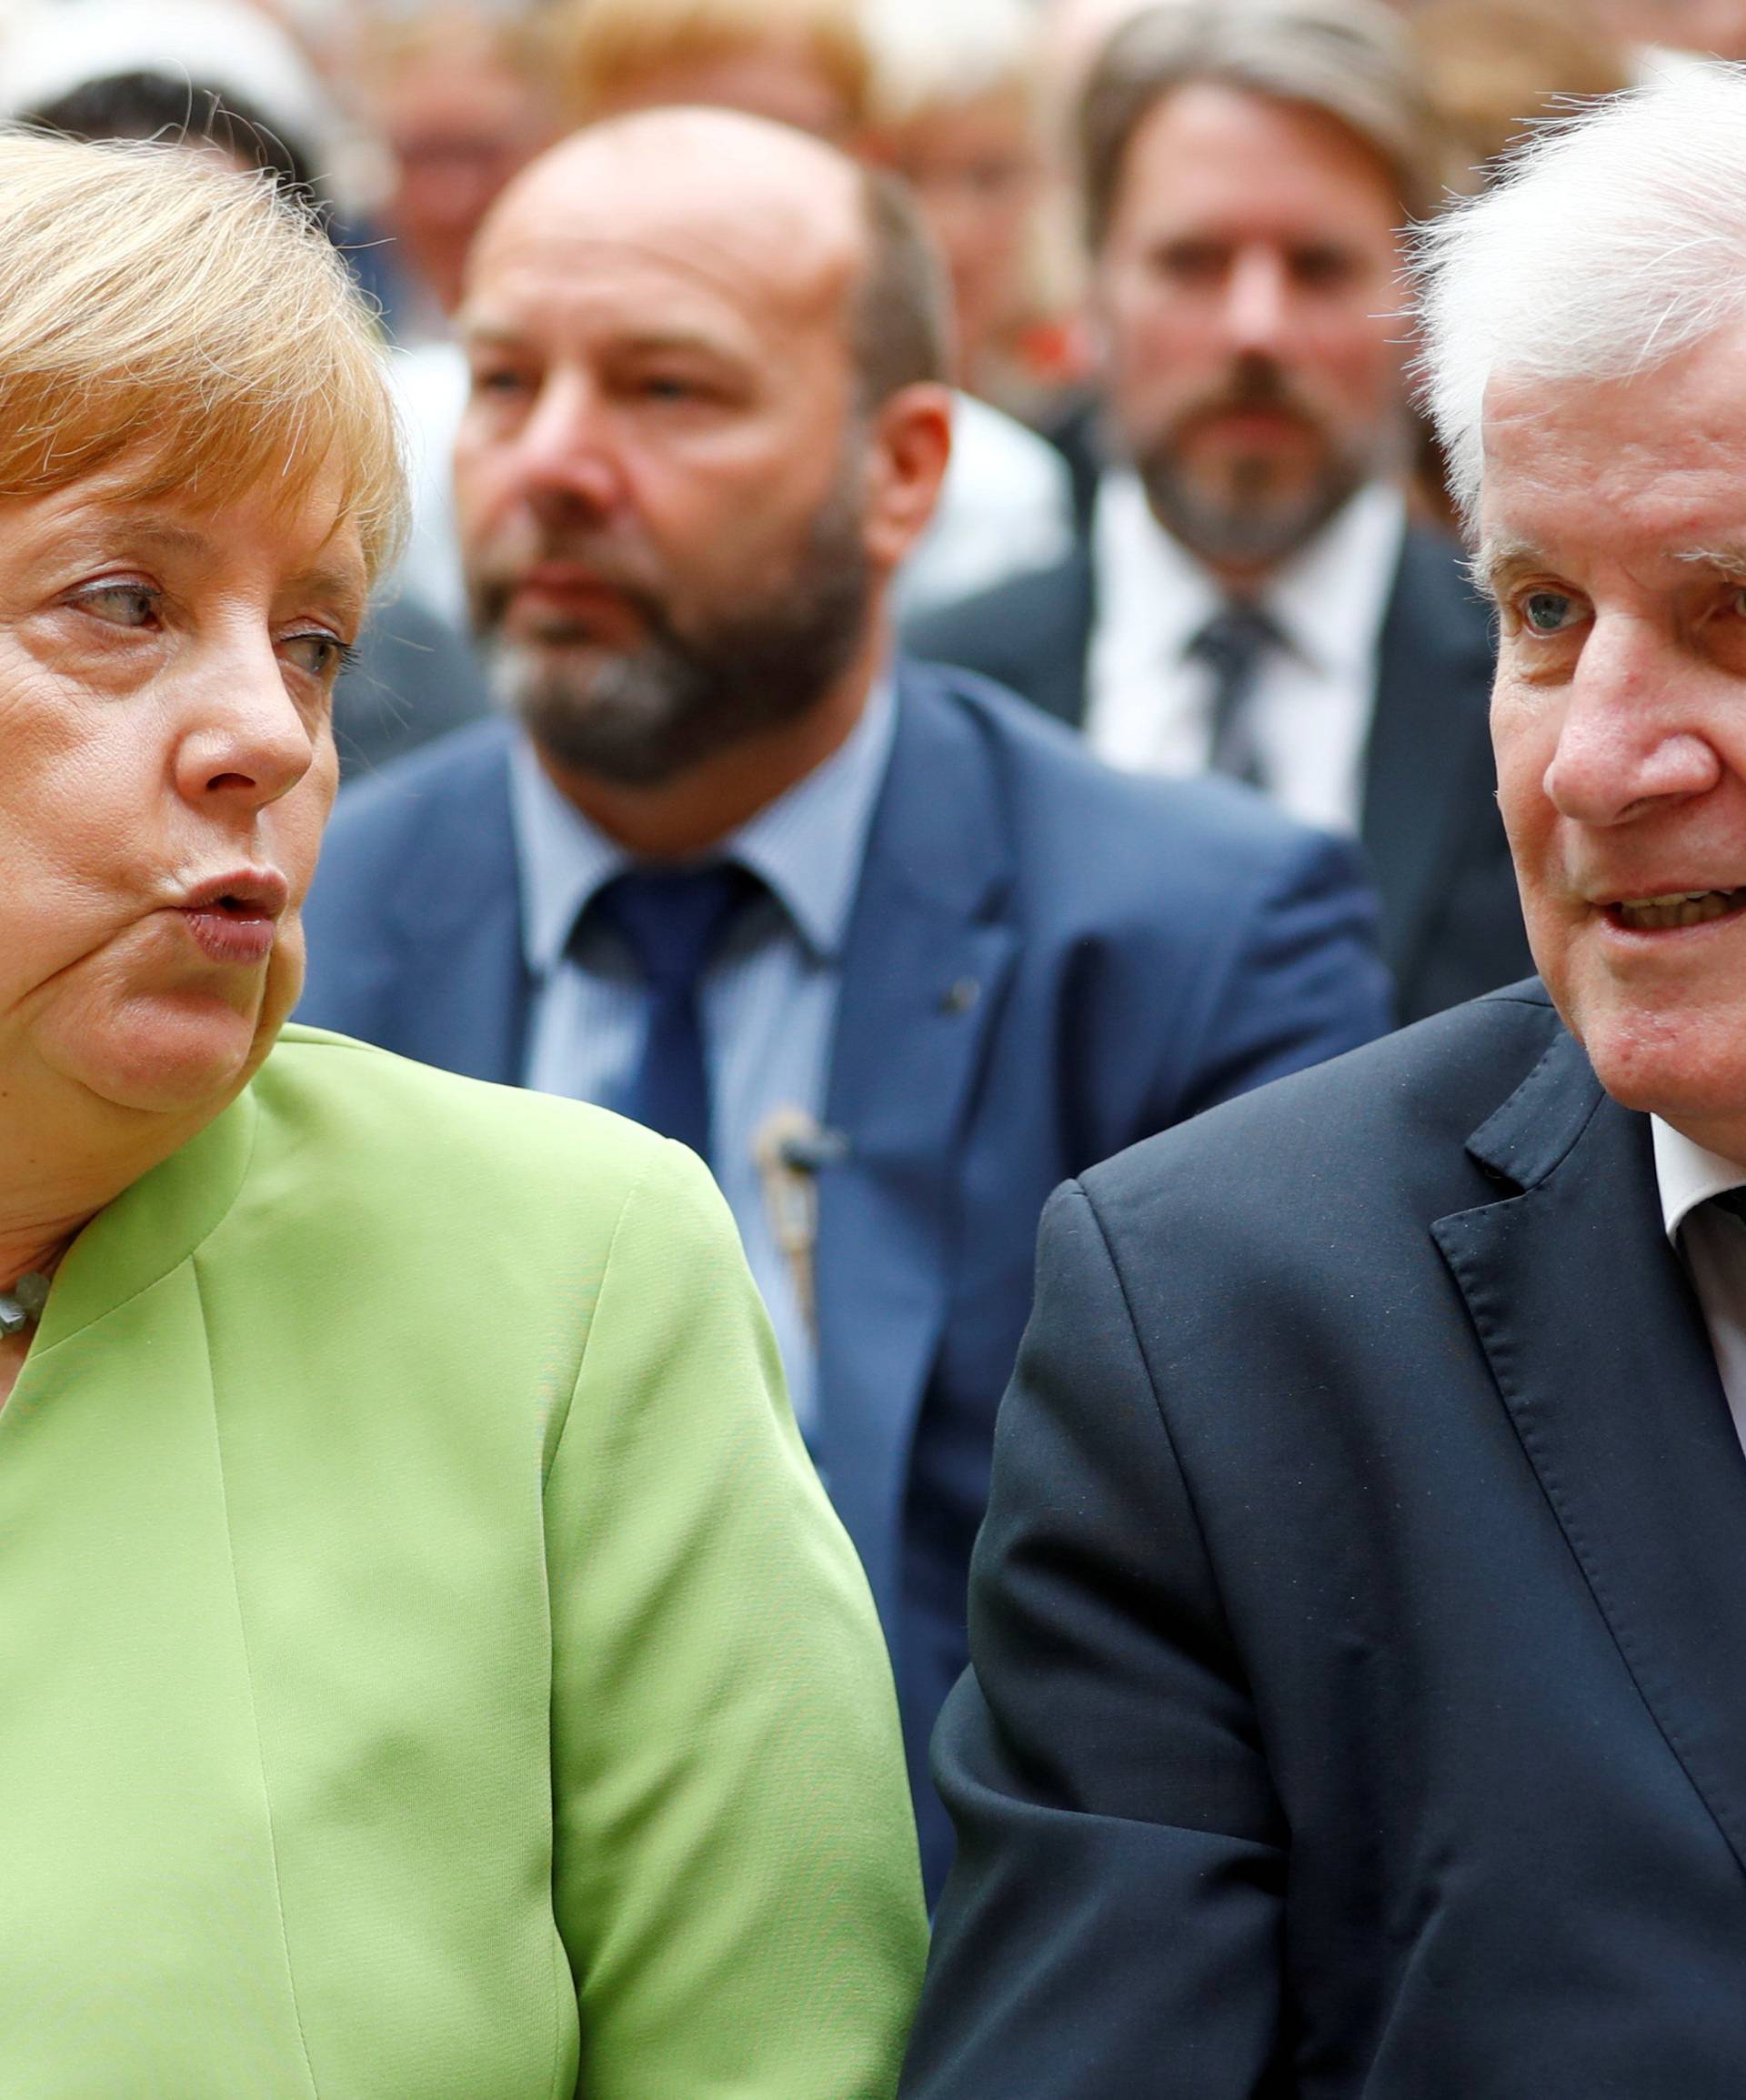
1327	600
808	844
1688	1175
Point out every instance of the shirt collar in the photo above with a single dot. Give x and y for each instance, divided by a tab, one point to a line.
1688	1175
1329	600
808	844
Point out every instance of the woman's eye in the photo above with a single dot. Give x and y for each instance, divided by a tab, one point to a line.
129	604
1547	612
319	654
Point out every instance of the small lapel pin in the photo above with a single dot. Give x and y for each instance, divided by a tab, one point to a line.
961	997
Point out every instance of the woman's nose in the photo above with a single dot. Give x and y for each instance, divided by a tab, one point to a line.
246	738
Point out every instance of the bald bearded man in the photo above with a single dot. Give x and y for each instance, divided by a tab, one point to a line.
895	953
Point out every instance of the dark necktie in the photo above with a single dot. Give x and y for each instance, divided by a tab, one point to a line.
1733	1201
673	920
1231	645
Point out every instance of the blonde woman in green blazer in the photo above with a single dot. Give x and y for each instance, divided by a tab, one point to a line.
429	1667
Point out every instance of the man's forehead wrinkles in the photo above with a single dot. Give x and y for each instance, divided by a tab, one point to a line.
579	262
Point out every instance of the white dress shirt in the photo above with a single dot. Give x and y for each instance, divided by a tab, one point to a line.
1149	704
1713	1246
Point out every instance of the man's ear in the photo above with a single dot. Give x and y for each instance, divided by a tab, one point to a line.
908	448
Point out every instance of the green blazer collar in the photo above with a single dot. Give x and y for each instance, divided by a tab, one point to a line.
152	1228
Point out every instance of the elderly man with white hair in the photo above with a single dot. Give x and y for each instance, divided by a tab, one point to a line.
1358	1698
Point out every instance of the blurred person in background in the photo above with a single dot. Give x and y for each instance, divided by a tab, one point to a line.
1005	507
1249	596
458	96
1498	71
216	77
890	949
1698	28
956	112
799	62
457	93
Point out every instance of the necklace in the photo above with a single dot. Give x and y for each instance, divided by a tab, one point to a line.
22	1306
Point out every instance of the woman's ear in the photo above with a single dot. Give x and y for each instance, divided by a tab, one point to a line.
908	449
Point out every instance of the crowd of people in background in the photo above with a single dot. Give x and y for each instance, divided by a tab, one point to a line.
405	118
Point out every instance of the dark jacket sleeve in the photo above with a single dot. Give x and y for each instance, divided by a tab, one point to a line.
1112	1924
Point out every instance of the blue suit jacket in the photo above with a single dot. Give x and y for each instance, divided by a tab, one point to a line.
1046	961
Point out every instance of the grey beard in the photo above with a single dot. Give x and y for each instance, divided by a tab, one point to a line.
1246	525
642	718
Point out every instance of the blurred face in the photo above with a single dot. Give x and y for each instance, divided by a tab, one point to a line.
166	679
975	169
1715	28
1614	534
660	483
1244	291
779	79
458	127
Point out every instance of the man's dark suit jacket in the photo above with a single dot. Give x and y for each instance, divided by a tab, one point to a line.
1358	1702
1045	961
1452	923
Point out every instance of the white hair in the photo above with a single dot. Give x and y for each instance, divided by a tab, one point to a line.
927	57
1610	244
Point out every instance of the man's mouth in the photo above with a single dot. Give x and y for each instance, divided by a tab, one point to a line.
1675	908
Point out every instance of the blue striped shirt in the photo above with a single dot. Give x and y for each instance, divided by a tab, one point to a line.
767	1002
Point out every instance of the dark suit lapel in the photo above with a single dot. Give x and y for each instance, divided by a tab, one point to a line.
1599	1348
925	969
463	985
1054	629
1429	758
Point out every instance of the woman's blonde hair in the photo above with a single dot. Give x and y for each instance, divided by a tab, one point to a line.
190	329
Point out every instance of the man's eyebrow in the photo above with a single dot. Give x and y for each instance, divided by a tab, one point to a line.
479	334
1495	561
1727	561
644	341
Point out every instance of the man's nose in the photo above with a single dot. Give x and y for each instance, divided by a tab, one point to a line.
247	741
565	447
1631	733
1258	301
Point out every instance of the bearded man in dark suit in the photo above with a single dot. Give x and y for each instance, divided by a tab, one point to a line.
1249	594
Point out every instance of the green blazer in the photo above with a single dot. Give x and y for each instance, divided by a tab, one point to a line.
429	1667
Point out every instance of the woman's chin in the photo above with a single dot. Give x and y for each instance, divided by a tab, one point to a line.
165	1058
